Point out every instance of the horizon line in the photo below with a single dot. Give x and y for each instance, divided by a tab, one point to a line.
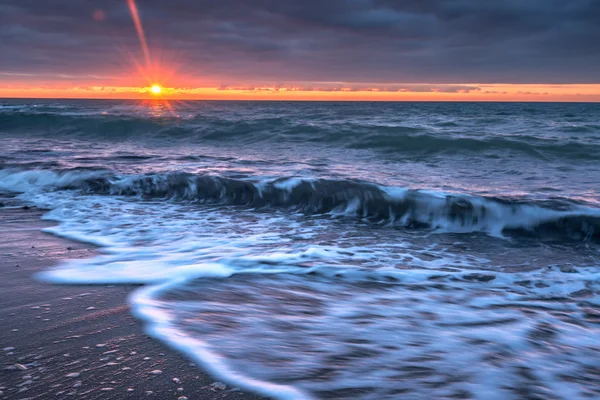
341	100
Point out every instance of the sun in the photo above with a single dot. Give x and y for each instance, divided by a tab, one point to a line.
156	89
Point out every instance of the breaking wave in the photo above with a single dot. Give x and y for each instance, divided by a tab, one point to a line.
399	207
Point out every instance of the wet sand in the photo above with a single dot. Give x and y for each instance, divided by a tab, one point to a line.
78	341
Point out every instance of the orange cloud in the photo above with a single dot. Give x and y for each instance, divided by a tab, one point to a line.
317	91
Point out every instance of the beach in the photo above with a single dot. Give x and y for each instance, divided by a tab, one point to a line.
78	341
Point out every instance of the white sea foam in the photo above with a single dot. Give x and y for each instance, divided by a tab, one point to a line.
294	306
31	181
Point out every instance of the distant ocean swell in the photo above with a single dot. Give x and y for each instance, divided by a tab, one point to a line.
389	138
400	207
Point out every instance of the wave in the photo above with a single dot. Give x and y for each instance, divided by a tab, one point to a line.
47	123
199	128
399	207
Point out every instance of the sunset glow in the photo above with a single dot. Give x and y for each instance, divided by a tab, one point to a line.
312	91
138	54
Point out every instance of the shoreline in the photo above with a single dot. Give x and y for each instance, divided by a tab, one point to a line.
77	341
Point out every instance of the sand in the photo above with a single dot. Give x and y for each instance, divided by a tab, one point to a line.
78	341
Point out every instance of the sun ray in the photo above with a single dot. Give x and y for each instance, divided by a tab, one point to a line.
140	30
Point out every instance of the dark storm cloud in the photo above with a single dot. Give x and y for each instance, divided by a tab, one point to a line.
373	41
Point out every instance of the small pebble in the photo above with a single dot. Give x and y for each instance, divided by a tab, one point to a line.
8	348
182	398
21	367
149	392
107	389
147	358
91	308
73	375
156	372
219	386
77	384
101	345
130	389
176	380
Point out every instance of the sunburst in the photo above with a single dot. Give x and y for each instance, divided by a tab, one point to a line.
156	90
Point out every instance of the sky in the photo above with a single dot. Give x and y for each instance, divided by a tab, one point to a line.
509	50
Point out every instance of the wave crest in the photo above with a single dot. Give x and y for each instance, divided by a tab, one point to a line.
460	213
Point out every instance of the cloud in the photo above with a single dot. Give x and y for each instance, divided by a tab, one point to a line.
364	87
382	42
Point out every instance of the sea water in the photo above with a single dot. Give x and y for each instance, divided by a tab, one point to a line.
335	250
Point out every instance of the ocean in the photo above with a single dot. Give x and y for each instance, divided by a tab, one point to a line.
335	250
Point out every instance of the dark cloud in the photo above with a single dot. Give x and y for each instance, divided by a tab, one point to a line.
374	41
